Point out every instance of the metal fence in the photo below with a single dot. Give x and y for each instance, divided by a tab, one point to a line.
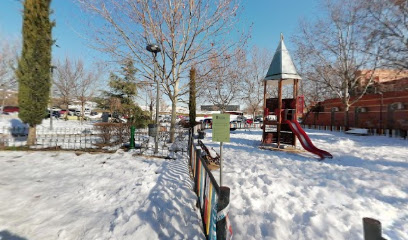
90	138
394	133
213	200
236	126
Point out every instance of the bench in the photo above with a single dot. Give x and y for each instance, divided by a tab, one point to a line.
212	157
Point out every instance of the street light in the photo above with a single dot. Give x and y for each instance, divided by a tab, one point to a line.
51	103
154	49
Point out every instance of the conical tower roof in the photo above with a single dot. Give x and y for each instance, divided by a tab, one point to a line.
282	66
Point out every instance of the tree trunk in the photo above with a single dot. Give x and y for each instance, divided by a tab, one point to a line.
82	111
346	118
173	120
3	101
32	135
66	112
174	110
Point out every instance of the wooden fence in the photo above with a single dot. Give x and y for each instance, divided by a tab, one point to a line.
213	200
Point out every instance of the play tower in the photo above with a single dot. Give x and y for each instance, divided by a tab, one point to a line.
280	125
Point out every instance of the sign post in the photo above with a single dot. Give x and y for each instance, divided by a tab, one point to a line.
221	133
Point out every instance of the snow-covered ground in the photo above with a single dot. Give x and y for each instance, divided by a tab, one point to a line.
59	195
274	195
279	195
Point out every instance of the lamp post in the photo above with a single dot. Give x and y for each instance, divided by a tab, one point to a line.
154	49
51	103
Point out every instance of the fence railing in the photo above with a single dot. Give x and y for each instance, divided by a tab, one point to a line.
87	139
213	200
395	133
236	126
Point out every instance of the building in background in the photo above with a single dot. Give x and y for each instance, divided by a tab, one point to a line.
385	106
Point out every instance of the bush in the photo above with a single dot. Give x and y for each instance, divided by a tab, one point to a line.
113	133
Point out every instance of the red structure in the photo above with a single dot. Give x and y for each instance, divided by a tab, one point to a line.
280	126
385	106
388	110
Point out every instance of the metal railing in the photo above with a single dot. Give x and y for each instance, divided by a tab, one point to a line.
394	133
88	138
236	126
213	200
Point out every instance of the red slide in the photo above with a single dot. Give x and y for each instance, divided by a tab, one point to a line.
305	140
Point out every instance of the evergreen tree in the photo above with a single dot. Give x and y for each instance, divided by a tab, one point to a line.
34	65
192	98
124	88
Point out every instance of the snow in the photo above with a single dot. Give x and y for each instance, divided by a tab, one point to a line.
358	131
212	152
274	194
59	195
280	195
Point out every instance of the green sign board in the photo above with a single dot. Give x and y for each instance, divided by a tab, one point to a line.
221	127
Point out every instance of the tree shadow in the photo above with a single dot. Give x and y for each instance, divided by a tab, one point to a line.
164	210
170	205
6	235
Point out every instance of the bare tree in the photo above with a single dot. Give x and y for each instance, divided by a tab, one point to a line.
220	79
8	64
163	105
252	88
387	26
332	51
187	31
67	74
86	85
150	100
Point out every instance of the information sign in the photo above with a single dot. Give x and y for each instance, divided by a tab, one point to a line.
221	128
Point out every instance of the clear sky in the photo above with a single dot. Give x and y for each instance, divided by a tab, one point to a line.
269	18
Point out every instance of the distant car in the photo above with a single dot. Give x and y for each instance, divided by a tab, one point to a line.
258	120
56	109
10	109
207	121
71	111
55	114
62	111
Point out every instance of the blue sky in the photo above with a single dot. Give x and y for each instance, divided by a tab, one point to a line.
272	17
269	18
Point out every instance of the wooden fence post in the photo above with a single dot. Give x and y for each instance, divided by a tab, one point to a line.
372	229
223	202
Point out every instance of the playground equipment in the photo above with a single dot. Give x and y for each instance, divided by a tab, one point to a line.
280	125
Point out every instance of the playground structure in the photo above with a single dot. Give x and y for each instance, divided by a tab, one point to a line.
280	125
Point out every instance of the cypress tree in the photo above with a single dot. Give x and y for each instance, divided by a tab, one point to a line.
34	65
192	98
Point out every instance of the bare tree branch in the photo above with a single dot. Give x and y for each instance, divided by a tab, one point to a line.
187	31
332	52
